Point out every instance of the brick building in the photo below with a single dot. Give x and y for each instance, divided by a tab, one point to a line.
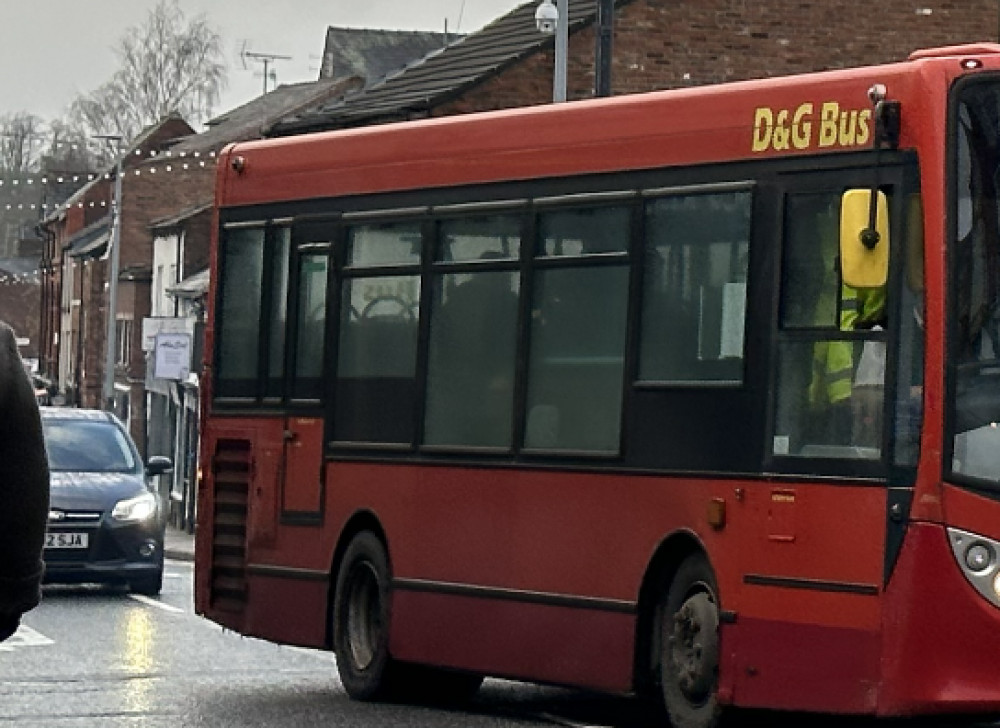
657	44
19	289
167	189
75	269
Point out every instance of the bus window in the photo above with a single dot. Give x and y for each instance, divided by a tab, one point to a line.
974	341
578	317
473	336
830	386
584	232
694	288
373	246
379	316
481	237
310	326
277	263
908	418
242	263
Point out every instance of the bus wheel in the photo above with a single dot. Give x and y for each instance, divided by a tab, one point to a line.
688	641
361	620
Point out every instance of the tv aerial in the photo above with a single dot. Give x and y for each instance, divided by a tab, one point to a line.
266	59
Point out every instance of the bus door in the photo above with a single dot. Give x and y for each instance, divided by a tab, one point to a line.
817	570
303	434
302	466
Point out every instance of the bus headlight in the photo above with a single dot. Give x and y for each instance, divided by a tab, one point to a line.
132	510
977	557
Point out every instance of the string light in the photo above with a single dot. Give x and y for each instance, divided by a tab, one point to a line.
31	277
187	161
62	206
43	179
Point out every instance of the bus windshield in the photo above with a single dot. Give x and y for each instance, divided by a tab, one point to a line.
974	341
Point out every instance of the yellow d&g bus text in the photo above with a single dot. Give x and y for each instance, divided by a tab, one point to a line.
800	128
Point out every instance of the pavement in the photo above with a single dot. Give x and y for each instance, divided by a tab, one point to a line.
178	544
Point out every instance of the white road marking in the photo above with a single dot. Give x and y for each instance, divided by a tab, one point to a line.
25	637
569	723
154	603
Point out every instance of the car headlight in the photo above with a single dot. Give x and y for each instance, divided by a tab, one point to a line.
140	508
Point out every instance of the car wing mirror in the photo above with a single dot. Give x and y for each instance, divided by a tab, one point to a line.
159	464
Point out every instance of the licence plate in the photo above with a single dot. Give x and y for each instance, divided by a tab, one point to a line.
64	540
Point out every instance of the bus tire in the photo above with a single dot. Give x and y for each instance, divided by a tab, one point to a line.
361	621
688	642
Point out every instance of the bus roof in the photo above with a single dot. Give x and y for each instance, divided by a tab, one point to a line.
802	114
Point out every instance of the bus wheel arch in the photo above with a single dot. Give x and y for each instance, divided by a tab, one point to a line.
677	644
359	615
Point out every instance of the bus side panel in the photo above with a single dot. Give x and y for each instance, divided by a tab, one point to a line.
941	636
239	500
809	667
526	541
808	597
287	610
582	647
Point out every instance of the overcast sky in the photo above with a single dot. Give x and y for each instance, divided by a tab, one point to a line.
53	50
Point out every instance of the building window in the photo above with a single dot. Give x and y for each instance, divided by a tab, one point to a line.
123	329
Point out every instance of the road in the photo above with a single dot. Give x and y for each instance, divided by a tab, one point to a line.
102	657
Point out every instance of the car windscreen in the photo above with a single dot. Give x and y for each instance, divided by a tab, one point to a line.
81	446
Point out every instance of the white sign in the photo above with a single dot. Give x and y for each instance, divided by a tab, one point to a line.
172	356
153	325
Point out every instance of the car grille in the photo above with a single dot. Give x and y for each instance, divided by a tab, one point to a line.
69	518
85	522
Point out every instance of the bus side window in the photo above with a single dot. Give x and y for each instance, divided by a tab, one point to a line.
577	331
694	288
473	333
277	254
375	395
310	326
242	267
830	386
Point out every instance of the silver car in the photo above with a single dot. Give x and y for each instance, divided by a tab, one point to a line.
106	523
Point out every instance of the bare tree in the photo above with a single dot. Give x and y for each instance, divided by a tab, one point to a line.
20	135
70	150
167	67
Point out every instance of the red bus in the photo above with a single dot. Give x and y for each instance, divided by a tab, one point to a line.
648	394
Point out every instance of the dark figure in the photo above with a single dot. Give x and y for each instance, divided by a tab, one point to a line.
24	489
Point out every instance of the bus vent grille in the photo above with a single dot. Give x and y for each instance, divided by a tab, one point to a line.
231	469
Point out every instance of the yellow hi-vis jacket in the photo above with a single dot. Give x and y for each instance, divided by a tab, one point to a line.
833	361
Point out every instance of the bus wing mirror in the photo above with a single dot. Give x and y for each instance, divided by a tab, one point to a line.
864	248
